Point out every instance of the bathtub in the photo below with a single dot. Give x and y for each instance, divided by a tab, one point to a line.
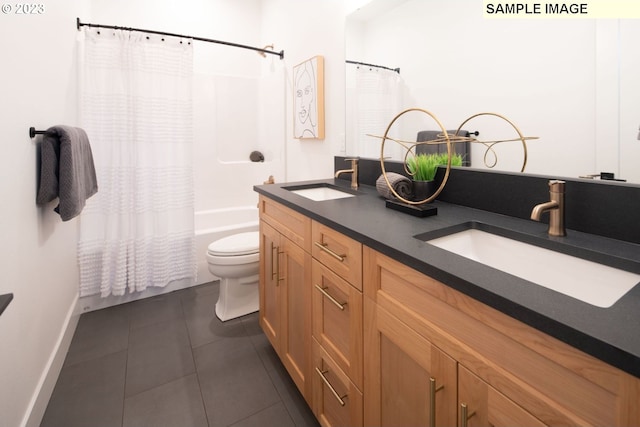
215	224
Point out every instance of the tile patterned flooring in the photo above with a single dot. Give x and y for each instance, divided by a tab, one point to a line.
169	361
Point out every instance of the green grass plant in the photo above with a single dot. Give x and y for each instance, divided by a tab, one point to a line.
423	167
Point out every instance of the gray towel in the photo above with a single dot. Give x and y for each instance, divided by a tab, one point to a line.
400	183
66	170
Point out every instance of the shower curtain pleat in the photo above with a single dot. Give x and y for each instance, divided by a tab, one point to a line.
136	105
378	99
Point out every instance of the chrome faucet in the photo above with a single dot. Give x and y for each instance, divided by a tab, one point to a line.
555	207
353	171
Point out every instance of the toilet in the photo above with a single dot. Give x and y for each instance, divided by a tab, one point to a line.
235	260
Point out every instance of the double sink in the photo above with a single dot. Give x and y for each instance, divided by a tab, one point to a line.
594	278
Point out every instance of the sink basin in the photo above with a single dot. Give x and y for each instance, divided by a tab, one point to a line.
588	281
320	192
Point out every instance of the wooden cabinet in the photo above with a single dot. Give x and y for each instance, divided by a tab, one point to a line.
480	404
337	327
295	291
269	285
408	381
337	320
336	400
508	373
285	289
371	341
338	252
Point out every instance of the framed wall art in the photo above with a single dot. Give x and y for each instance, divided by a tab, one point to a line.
308	99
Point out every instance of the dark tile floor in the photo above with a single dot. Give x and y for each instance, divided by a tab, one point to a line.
169	361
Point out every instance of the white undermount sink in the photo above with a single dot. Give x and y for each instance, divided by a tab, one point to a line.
321	193
591	282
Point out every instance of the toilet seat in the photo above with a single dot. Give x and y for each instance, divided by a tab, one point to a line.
236	245
220	260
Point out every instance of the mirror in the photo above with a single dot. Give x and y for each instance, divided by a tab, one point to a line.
570	82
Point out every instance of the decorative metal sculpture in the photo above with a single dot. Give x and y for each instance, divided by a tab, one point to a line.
449	139
491	144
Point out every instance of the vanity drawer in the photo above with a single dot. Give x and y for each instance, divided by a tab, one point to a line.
293	225
336	400
337	320
340	253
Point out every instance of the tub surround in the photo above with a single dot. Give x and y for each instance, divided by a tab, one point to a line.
606	334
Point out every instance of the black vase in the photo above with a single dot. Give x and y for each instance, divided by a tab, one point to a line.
423	190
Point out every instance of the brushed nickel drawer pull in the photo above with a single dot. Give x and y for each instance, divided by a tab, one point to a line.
432	397
325	248
340	305
333	390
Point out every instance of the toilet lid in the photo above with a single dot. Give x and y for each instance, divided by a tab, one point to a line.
236	244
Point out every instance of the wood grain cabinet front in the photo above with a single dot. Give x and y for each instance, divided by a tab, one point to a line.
479	404
408	380
508	373
337	320
340	253
336	400
285	290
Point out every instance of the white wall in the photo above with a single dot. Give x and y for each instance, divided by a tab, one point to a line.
307	28
38	252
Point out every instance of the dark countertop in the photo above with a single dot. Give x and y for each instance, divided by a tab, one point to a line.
609	334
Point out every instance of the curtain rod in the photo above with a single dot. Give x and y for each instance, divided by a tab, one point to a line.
162	33
397	70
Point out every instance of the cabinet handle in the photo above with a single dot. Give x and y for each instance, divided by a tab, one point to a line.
432	400
333	390
278	253
340	305
274	272
465	415
325	248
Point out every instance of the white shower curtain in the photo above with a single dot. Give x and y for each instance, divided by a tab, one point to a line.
378	99
136	106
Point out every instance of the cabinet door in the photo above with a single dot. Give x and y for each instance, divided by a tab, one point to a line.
270	284
336	400
408	381
482	405
337	320
295	292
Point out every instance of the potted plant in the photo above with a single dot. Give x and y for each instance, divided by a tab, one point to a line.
423	167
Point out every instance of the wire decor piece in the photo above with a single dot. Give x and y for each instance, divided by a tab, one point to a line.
411	146
449	140
491	144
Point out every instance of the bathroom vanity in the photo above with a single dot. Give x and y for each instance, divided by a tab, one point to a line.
378	327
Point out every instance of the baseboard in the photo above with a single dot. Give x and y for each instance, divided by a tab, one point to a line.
49	377
96	302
